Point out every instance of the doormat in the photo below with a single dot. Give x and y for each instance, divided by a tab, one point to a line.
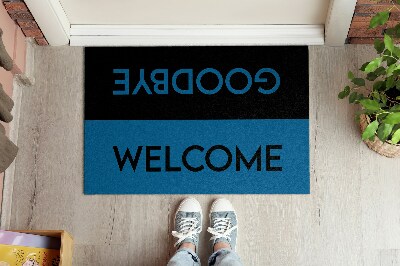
196	120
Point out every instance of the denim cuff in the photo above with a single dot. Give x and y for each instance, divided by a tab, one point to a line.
191	252
220	252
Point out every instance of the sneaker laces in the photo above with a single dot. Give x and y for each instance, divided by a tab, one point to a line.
188	228
222	229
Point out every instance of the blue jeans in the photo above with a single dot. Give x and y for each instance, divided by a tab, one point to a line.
223	257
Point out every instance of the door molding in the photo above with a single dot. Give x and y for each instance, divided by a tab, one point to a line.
171	35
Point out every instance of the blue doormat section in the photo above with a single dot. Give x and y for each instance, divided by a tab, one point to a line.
196	120
230	138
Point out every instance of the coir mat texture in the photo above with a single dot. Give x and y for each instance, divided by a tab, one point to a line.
196	120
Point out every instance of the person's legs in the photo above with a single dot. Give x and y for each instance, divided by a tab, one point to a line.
223	227
188	219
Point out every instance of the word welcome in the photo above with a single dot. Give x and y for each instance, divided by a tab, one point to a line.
159	82
153	155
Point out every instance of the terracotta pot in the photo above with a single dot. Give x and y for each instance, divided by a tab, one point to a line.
384	148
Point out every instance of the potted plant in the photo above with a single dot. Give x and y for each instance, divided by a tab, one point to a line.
378	92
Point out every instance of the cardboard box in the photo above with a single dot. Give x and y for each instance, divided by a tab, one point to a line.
67	243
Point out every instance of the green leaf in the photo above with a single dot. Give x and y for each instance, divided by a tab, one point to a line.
396	31
384	99
396	72
371	76
359	81
379	46
350	75
378	85
395	108
382	116
362	111
343	94
384	131
390	69
376	95
388	43
379	19
373	65
370	104
398	1
370	130
398	84
392	118
398	98
388	58
360	96
362	68
390	83
390	61
396	51
353	97
396	135
380	71
366	111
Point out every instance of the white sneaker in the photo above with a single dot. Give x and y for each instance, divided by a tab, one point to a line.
188	220
223	221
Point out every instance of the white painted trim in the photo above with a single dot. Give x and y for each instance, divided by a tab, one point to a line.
171	35
52	20
338	20
20	82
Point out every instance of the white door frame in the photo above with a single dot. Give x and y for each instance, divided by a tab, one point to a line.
54	23
52	20
338	20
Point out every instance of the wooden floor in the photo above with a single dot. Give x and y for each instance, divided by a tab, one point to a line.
351	217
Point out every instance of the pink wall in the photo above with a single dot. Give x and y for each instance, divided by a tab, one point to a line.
14	41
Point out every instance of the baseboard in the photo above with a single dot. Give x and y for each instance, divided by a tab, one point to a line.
19	84
175	35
